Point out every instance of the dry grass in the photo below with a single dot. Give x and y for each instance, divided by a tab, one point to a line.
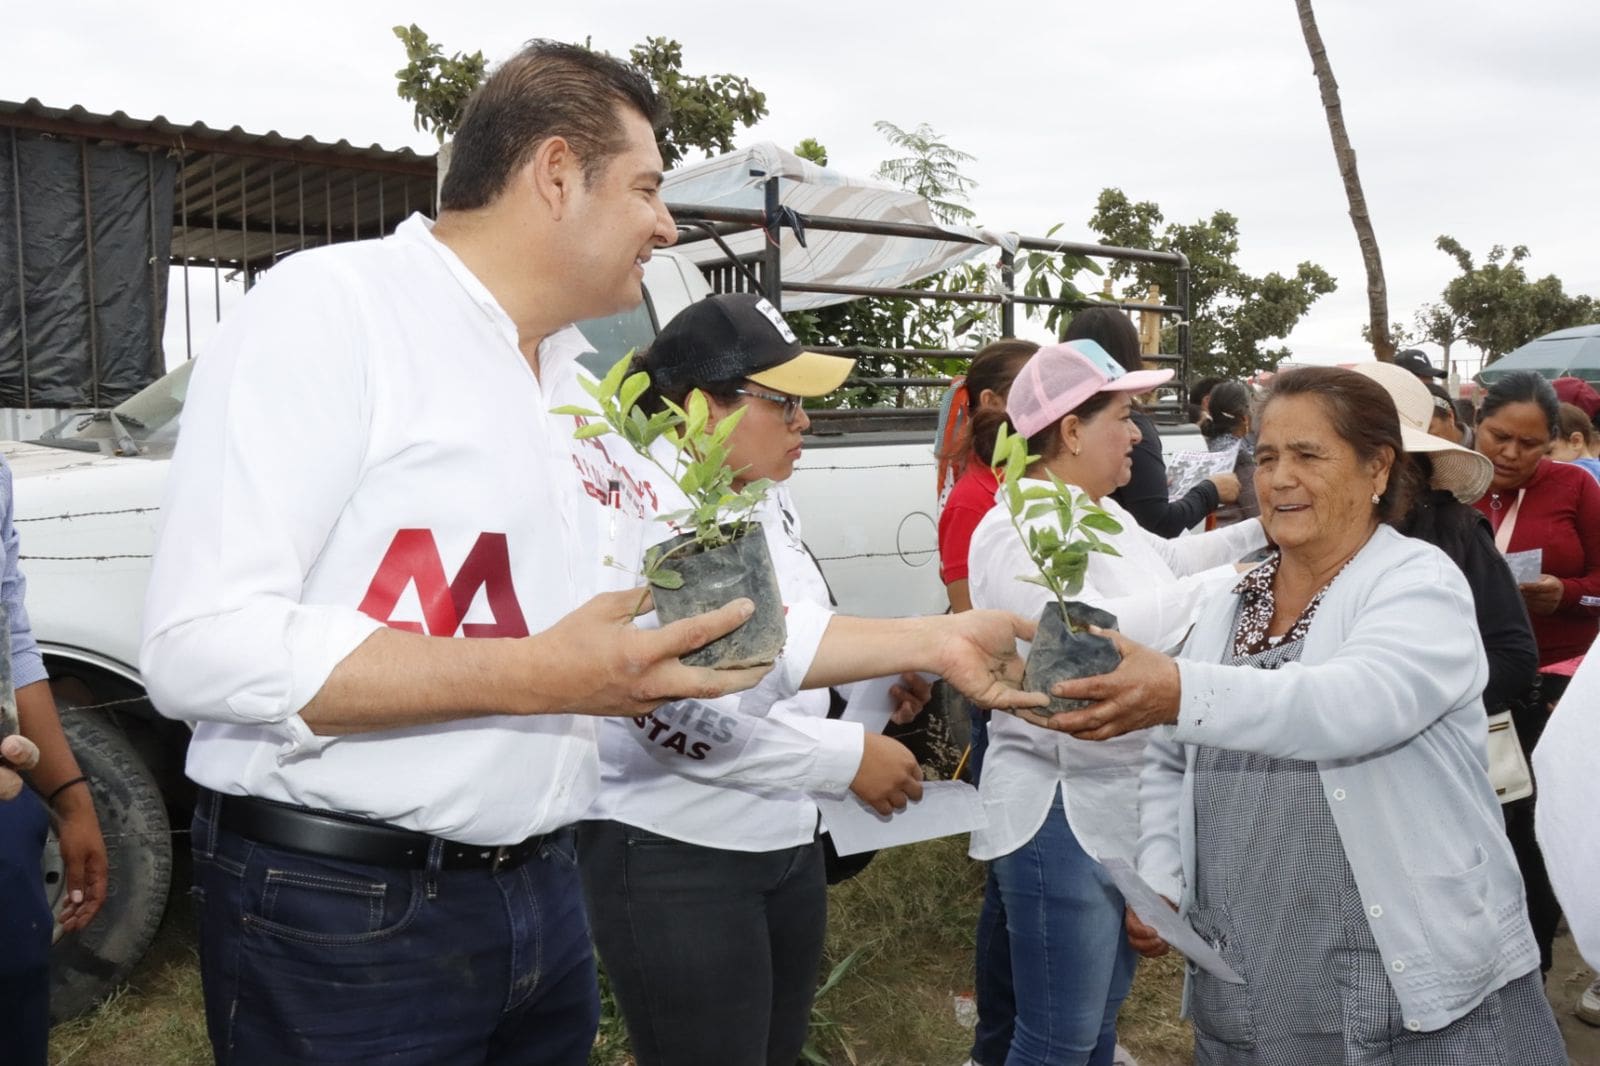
914	911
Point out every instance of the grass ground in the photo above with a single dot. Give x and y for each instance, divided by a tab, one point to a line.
913	912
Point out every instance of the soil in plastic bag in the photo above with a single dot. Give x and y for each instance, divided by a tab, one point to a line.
719	576
1060	655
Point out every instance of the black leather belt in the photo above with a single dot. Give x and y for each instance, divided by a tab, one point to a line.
341	836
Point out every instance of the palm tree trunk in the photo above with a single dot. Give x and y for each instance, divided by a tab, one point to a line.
1377	293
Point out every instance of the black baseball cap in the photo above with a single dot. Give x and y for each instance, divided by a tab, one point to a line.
740	335
1418	363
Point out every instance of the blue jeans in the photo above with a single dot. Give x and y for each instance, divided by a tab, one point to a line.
25	926
312	960
997	1006
713	954
1071	965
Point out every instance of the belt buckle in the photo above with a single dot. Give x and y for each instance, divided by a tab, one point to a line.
500	857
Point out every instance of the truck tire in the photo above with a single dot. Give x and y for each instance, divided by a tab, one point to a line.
87	966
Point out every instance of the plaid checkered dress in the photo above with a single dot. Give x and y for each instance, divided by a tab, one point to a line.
1274	893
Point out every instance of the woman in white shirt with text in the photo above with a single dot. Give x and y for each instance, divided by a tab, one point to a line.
1056	804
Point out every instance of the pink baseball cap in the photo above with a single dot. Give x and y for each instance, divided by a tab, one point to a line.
1059	377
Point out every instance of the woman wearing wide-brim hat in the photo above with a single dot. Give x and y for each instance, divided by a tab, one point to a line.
1442	514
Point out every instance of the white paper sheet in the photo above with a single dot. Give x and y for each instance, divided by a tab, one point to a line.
946	808
1526	566
870	704
1154	912
1185	470
1569	797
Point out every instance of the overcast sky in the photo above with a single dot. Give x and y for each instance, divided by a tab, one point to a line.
1474	119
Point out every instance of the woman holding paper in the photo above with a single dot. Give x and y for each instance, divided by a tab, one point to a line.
1319	805
702	868
1054	804
1226	425
1536	504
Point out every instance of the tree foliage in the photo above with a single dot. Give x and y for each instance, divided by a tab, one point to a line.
1496	307
1232	314
705	111
436	86
812	149
931	168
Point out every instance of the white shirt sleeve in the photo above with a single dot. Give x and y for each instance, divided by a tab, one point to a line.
273	443
1201	551
787	750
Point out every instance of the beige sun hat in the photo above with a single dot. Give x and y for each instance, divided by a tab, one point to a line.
1462	472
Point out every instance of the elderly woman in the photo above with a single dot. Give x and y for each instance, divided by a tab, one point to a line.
1320	805
1056	805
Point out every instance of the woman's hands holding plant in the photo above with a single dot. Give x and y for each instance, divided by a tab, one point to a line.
1142	691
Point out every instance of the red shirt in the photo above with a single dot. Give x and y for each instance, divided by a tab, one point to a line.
970	499
1560	515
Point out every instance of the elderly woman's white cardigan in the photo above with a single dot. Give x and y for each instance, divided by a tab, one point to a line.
1385	699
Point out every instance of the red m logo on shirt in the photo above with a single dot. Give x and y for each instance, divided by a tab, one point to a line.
413	557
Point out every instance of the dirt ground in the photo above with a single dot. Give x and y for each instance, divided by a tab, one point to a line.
1569	976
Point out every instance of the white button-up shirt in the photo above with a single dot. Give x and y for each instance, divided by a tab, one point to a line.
1154	587
365	445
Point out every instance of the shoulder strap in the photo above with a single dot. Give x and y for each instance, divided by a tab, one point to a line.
1502	536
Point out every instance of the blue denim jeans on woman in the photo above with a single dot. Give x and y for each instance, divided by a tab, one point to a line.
312	960
1071	965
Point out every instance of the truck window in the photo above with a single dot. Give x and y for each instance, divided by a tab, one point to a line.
616	335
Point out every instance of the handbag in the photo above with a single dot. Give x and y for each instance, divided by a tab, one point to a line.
1508	766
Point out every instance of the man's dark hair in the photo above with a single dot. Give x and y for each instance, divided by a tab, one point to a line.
546	90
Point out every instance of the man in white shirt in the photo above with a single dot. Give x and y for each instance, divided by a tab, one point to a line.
368	468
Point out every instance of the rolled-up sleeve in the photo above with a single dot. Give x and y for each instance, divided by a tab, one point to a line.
273	443
27	665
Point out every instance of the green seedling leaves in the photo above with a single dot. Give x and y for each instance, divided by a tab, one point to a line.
1060	548
717	511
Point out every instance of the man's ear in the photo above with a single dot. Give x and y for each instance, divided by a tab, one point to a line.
551	175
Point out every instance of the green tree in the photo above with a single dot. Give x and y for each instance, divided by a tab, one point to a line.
812	149
704	111
930	168
1496	307
1232	314
436	86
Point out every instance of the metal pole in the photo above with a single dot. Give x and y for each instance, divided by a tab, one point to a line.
272	214
1183	323
88	262
244	230
183	224
1008	281
155	279
216	245
22	282
772	277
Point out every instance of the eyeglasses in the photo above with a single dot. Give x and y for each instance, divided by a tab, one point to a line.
790	404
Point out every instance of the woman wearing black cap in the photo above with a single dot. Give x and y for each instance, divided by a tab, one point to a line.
703	873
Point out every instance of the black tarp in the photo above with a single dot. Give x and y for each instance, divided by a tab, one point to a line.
68	339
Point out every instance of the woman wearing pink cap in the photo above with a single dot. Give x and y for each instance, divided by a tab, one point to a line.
1055	804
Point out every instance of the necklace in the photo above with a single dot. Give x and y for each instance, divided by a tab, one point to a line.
1494	501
